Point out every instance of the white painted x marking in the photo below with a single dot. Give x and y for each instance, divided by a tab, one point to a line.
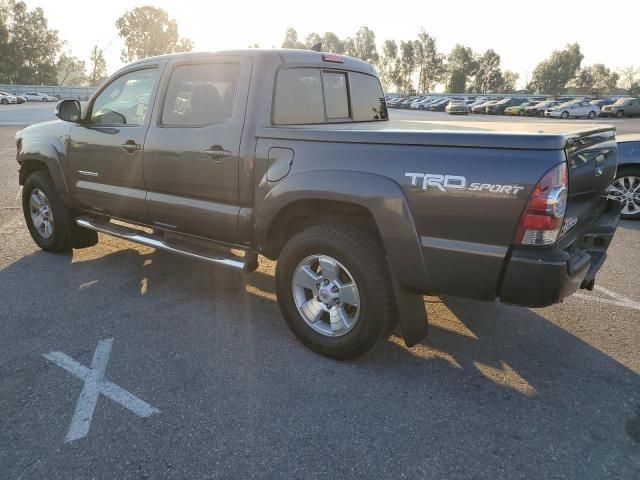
94	385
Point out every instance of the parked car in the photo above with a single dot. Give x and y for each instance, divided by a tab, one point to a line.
603	102
498	108
6	98
19	98
39	97
457	107
440	105
623	107
422	104
349	266
520	110
482	108
538	109
626	186
574	108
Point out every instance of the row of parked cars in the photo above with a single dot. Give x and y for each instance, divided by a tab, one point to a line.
522	106
7	98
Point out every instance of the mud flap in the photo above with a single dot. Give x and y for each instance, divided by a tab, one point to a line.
411	312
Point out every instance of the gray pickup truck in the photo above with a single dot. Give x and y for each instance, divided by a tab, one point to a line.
290	154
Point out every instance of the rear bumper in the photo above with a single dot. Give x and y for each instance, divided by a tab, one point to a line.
538	278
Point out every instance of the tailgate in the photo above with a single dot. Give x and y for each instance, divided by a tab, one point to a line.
592	161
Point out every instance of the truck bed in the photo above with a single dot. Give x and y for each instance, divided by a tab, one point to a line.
529	136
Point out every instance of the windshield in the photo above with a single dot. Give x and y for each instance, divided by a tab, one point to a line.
502	102
622	101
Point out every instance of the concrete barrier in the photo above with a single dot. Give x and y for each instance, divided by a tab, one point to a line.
62	92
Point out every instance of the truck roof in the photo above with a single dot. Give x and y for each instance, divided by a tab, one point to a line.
534	136
280	55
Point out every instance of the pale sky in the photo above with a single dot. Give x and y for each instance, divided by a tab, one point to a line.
523	33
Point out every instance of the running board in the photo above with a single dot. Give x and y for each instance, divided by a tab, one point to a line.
246	264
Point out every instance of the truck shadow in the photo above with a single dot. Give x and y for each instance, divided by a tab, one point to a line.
481	360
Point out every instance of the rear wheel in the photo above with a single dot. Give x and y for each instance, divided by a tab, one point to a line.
619	114
626	188
592	114
564	115
334	291
521	113
4	101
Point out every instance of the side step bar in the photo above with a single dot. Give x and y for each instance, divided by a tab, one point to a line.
246	264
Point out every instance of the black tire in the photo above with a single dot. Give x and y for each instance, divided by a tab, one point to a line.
619	114
564	115
60	240
4	101
363	256
44	100
521	113
592	114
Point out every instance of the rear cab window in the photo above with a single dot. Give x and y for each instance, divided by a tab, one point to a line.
308	95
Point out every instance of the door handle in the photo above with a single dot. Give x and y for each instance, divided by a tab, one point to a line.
131	146
217	153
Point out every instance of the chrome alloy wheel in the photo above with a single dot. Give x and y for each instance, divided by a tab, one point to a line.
627	190
41	214
326	295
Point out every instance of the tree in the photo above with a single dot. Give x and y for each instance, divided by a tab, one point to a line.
148	31
332	43
407	65
312	39
461	65
70	69
629	77
596	77
291	39
97	68
28	48
363	46
488	76
509	80
553	74
389	65
429	62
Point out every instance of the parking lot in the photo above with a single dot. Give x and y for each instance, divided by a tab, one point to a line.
210	383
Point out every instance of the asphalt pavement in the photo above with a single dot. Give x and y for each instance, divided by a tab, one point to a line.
495	391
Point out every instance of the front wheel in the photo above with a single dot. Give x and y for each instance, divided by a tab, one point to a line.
334	291
521	113
4	101
592	114
564	115
619	114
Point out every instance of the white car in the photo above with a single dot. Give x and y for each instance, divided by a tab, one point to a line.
39	97
6	98
575	109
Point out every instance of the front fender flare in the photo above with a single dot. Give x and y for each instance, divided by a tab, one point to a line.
53	158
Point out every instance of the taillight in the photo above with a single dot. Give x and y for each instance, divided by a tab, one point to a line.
542	218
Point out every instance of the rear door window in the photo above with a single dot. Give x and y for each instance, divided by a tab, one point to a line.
200	94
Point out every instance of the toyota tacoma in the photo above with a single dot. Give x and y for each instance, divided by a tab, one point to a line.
290	154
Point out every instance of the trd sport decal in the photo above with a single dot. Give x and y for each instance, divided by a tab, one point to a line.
446	183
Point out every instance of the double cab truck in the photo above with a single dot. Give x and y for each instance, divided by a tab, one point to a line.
290	154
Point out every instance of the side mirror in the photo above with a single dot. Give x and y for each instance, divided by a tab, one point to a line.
68	110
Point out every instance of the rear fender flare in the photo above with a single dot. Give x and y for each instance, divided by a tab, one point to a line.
381	196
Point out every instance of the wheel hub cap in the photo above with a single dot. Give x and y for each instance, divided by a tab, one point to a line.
326	295
627	190
41	214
